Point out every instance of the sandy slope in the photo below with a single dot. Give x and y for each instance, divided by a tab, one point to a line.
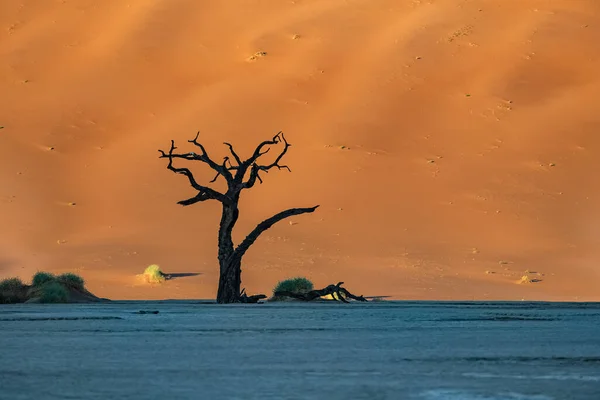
471	133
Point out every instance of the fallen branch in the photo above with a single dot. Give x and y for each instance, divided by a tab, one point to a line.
244	298
333	290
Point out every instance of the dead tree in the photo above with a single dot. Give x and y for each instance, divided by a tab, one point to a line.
333	290
239	175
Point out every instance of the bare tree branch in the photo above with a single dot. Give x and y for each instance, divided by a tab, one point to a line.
254	176
204	192
266	224
233	153
259	149
280	138
225	168
230	167
213	180
256	167
204	157
193	200
244	298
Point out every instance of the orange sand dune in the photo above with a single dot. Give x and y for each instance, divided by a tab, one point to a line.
470	132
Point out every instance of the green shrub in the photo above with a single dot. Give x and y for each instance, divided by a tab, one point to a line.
296	285
53	292
11	284
153	274
41	278
12	290
70	279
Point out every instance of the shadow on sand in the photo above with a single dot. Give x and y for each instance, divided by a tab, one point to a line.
182	275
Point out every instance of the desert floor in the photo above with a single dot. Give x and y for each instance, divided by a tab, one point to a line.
390	350
452	144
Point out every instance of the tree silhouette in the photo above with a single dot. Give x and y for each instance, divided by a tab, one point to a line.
239	174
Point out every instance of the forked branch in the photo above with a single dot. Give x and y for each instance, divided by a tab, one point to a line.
256	168
227	168
259	152
233	153
204	157
204	192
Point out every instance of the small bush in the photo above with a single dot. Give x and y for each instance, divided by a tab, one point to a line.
70	279
153	274
11	284
296	285
12	290
41	278
53	292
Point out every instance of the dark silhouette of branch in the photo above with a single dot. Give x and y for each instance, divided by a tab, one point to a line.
244	298
279	138
259	149
266	224
254	176
225	168
233	153
204	192
256	168
221	169
333	290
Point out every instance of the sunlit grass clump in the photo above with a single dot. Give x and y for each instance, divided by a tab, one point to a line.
296	285
153	274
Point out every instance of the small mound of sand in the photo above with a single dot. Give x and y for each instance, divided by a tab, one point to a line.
528	279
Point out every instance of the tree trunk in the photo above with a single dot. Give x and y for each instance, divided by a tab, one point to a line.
229	283
230	276
230	260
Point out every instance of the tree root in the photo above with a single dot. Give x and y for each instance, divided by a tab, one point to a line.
337	292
